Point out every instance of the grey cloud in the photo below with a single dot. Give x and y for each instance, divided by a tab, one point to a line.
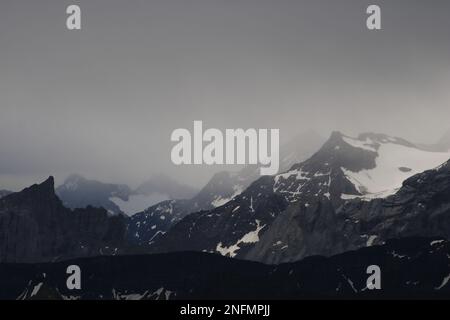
103	101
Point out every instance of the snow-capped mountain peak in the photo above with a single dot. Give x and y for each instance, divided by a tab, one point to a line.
369	166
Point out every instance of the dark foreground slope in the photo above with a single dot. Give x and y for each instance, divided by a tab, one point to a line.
410	267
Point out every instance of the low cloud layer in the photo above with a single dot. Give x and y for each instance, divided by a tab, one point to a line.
103	101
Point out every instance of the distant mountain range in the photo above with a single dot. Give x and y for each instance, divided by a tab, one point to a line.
405	266
79	192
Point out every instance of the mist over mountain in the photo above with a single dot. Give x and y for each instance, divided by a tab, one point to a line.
444	142
79	192
162	71
165	185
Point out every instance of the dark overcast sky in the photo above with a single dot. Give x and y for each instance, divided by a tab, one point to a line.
103	101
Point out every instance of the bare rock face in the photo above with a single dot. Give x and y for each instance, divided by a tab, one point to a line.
420	208
36	227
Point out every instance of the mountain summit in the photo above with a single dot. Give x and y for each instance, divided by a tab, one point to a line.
79	192
36	227
371	166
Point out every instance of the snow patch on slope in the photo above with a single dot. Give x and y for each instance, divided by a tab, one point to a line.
394	164
251	237
219	201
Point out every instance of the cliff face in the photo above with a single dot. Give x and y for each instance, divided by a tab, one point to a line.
421	207
36	227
